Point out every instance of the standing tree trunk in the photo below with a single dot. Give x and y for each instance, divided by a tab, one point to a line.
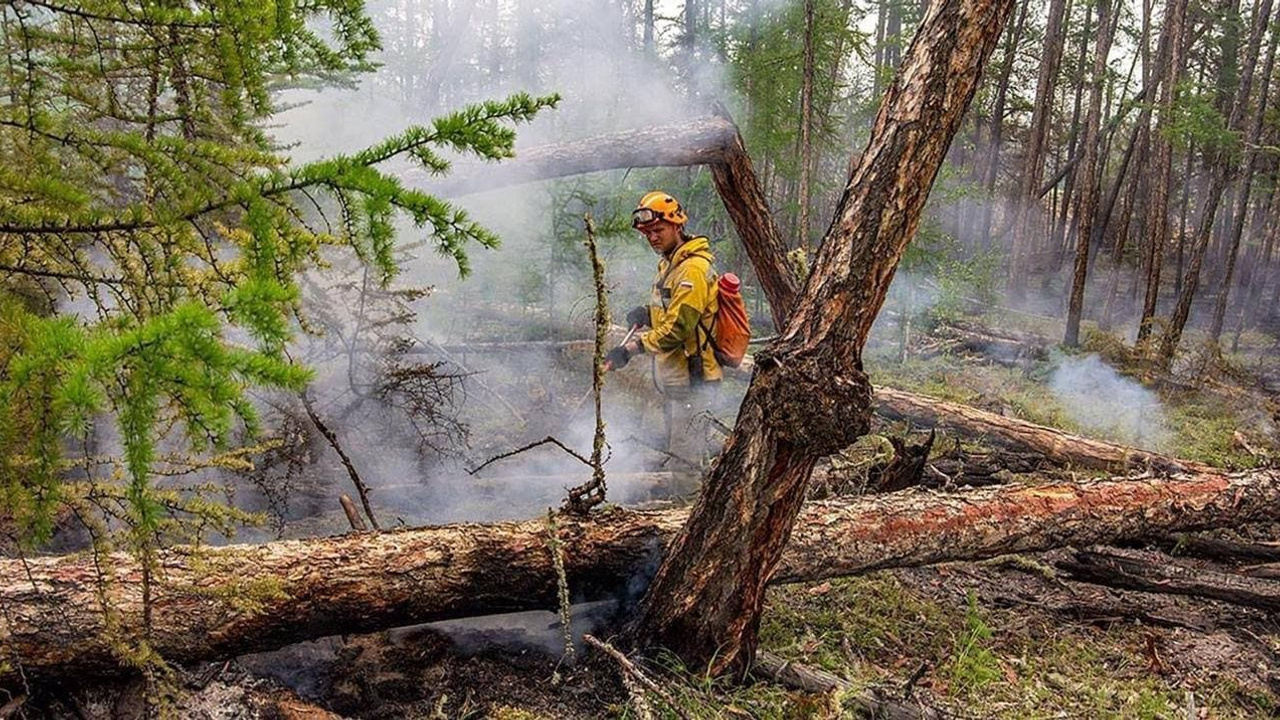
1157	226
809	396
1027	203
806	124
648	27
1063	231
1087	193
1246	185
1221	168
996	132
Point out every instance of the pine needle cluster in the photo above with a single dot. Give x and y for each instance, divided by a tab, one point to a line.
152	236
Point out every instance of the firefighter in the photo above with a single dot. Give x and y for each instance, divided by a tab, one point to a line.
680	313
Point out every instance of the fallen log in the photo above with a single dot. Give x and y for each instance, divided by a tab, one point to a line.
696	142
1215	549
1149	572
1012	433
226	601
1057	445
867	702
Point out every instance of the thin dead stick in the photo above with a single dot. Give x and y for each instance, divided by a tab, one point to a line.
544	441
12	707
361	489
353	515
650	446
630	668
591	493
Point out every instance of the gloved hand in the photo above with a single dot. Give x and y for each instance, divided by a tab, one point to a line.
638	316
617	358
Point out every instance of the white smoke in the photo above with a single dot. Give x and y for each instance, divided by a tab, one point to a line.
1109	405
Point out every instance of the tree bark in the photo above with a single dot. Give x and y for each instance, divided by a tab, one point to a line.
1057	445
809	396
1134	570
1087	188
806	127
1026	204
225	601
1170	57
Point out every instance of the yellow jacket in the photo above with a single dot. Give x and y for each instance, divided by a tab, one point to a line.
683	299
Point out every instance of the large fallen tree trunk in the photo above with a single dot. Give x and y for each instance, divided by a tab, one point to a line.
1057	445
221	602
695	142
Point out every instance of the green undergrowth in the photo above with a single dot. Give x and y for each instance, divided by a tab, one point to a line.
880	631
1202	424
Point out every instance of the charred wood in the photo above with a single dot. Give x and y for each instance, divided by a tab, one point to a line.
355	583
1217	549
1151	572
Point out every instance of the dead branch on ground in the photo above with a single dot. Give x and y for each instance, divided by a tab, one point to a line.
361	488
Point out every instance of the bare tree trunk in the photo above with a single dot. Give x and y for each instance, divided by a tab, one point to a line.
1026	204
1256	271
806	124
809	396
648	27
996	131
1125	225
1222	170
1246	183
1087	203
1063	230
1157	225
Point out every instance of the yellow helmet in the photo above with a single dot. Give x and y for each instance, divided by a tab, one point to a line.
658	205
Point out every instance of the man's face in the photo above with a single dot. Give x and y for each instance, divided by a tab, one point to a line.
663	236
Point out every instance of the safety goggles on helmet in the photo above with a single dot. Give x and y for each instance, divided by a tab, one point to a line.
644	216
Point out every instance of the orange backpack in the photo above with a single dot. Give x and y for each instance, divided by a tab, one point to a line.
730	330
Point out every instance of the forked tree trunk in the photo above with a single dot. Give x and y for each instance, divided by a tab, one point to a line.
809	396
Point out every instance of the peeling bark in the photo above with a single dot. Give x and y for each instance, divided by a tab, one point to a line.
305	589
809	396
